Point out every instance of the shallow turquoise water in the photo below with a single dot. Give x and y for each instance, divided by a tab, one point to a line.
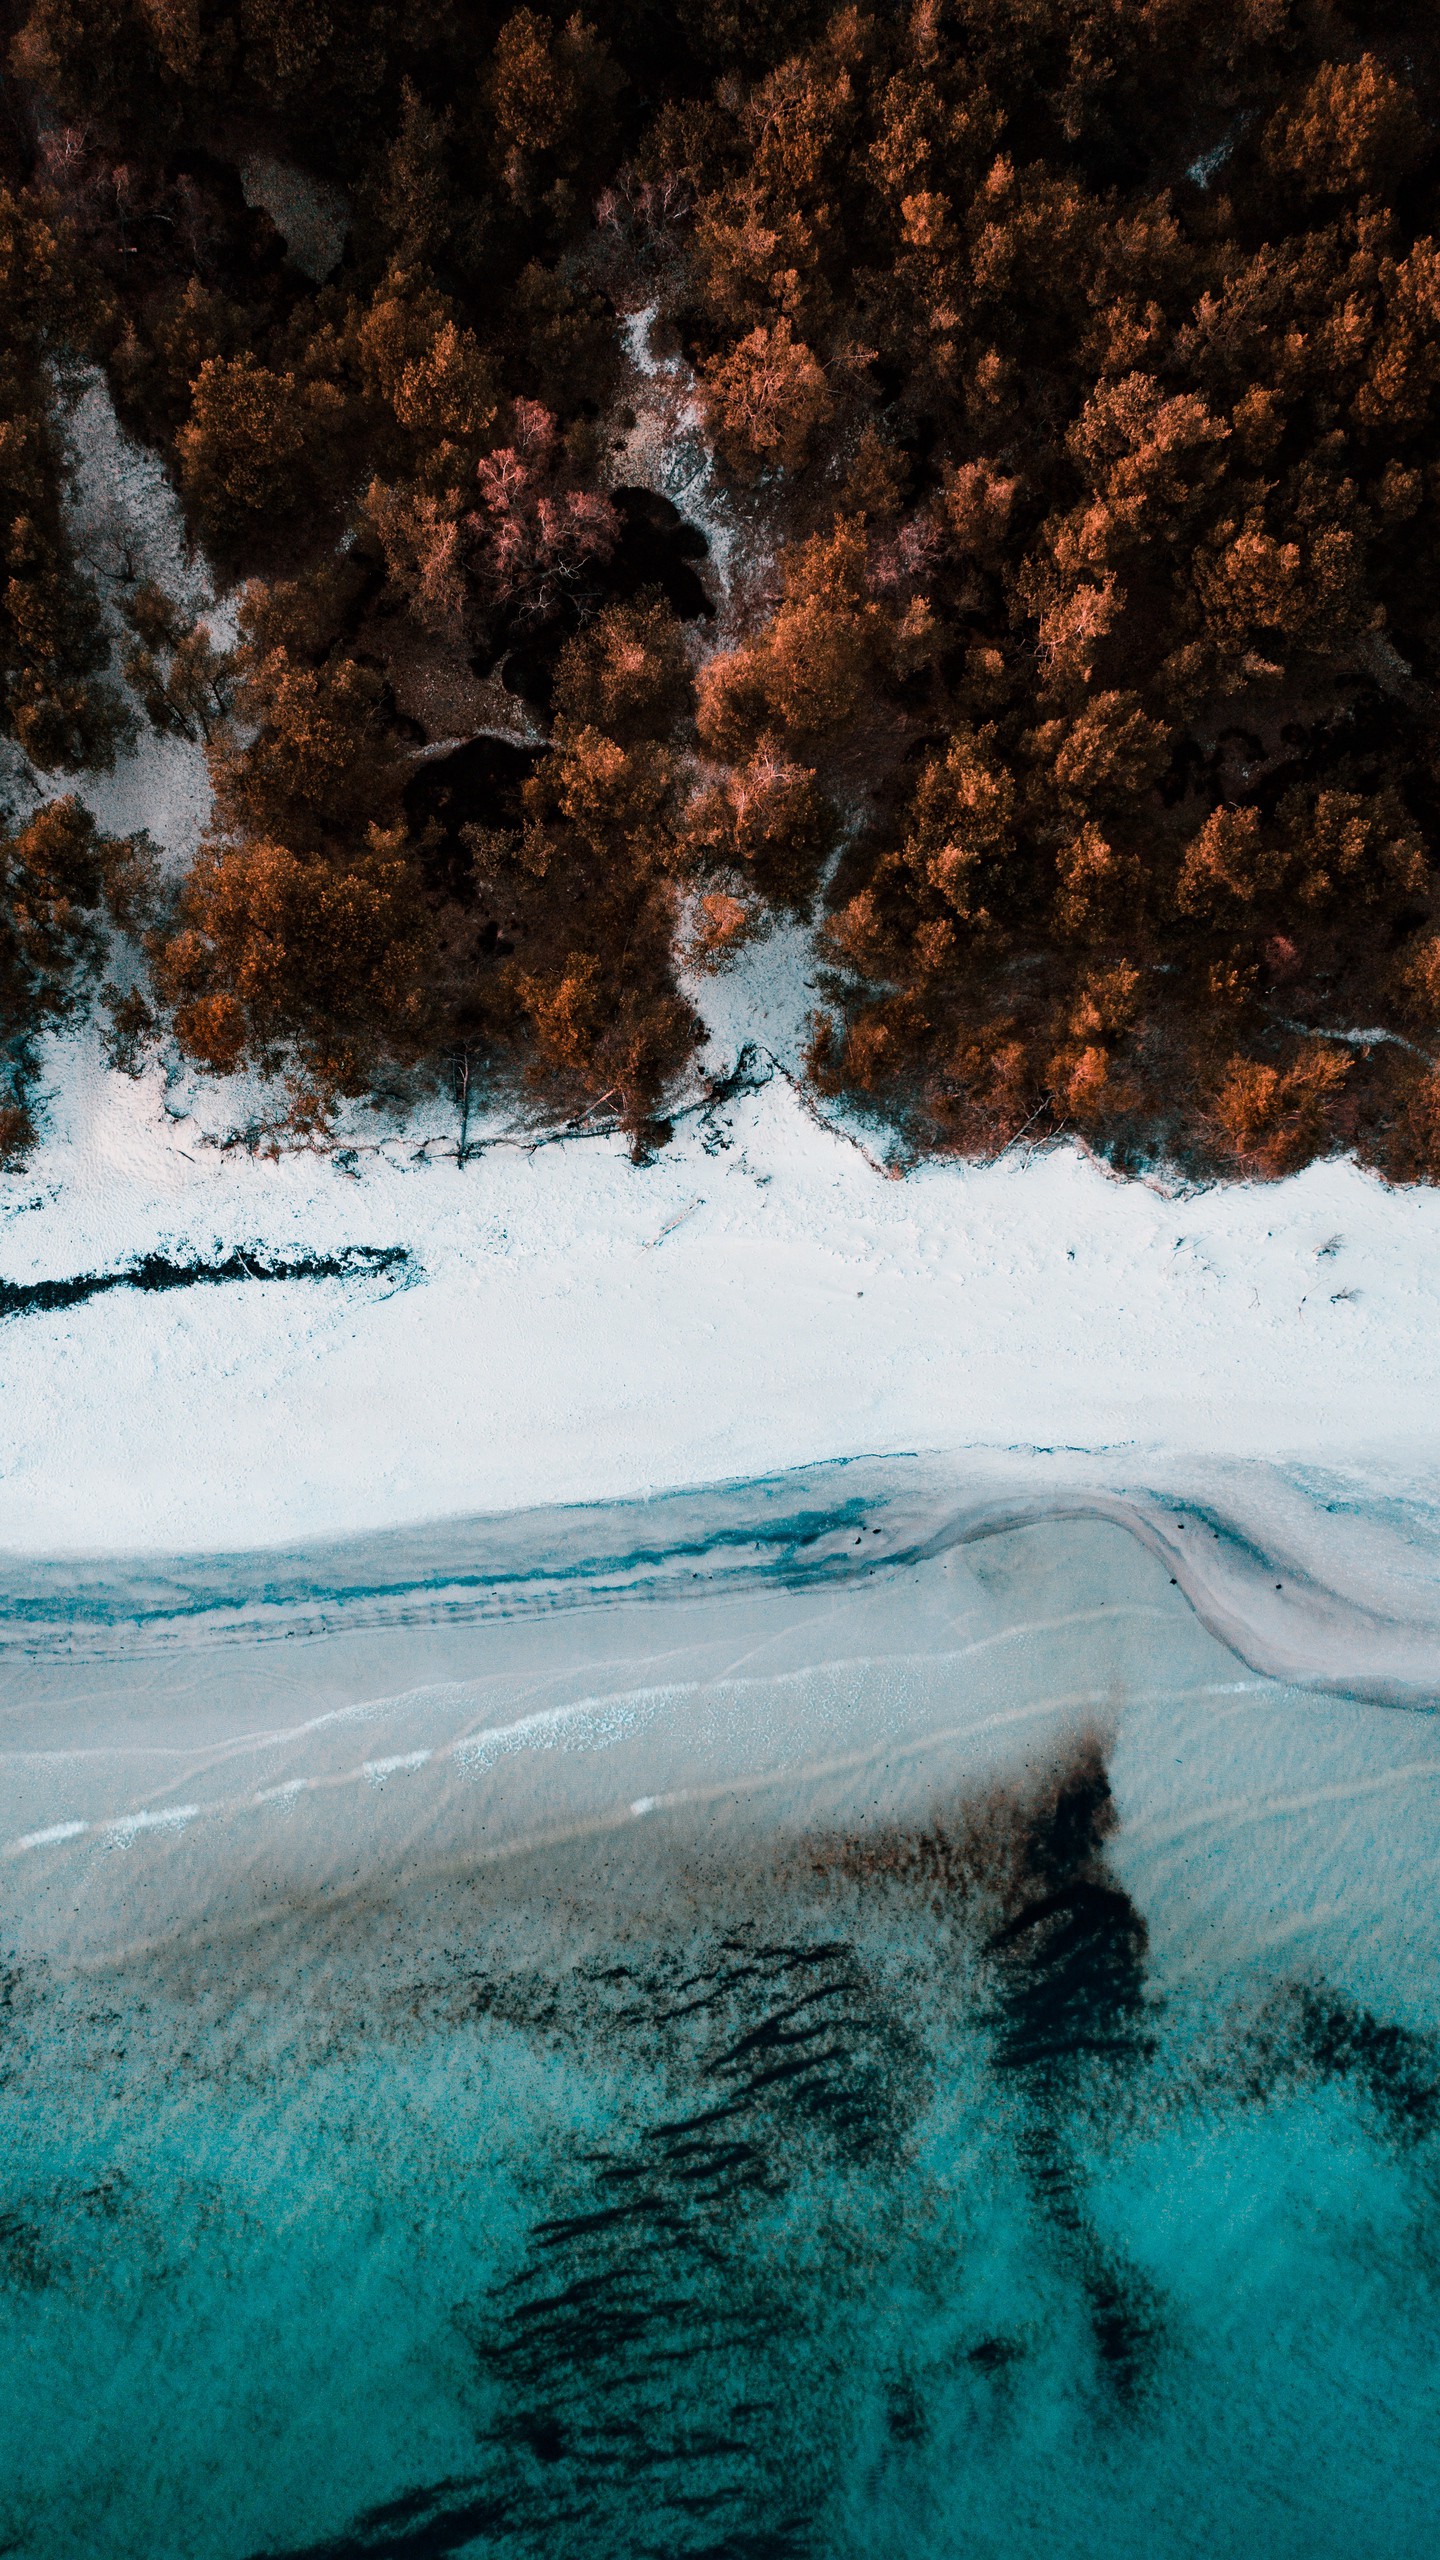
819	2210
1043	2163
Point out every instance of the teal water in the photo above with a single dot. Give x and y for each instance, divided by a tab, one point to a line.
928	2175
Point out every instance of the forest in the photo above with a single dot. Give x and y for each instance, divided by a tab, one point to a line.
1071	371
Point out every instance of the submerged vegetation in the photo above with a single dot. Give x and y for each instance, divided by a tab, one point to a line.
1070	370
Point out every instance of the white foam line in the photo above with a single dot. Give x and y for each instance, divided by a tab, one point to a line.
609	1718
377	1769
546	1729
623	1706
125	1825
46	1839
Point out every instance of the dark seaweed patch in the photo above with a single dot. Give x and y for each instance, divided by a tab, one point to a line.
645	2355
698	2331
657	2365
153	1271
788	2056
1396	2070
24	2258
425	2524
1073	1978
1070	1954
1308	2032
648	2354
1069	2015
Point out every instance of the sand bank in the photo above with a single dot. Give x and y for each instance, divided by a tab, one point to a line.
847	1650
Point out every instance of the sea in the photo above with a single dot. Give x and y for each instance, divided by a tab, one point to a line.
806	2020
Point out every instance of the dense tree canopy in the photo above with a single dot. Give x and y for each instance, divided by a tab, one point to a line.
62	884
53	654
1072	367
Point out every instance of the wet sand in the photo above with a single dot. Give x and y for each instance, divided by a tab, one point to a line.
846	1645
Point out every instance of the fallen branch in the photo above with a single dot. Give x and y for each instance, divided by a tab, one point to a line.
1017	1134
582	1116
671	1224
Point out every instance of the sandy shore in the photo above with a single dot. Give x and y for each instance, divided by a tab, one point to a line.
569	1329
205	1741
1317	1576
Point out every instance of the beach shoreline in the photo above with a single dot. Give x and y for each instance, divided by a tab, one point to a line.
376	1917
851	1646
1321	1578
